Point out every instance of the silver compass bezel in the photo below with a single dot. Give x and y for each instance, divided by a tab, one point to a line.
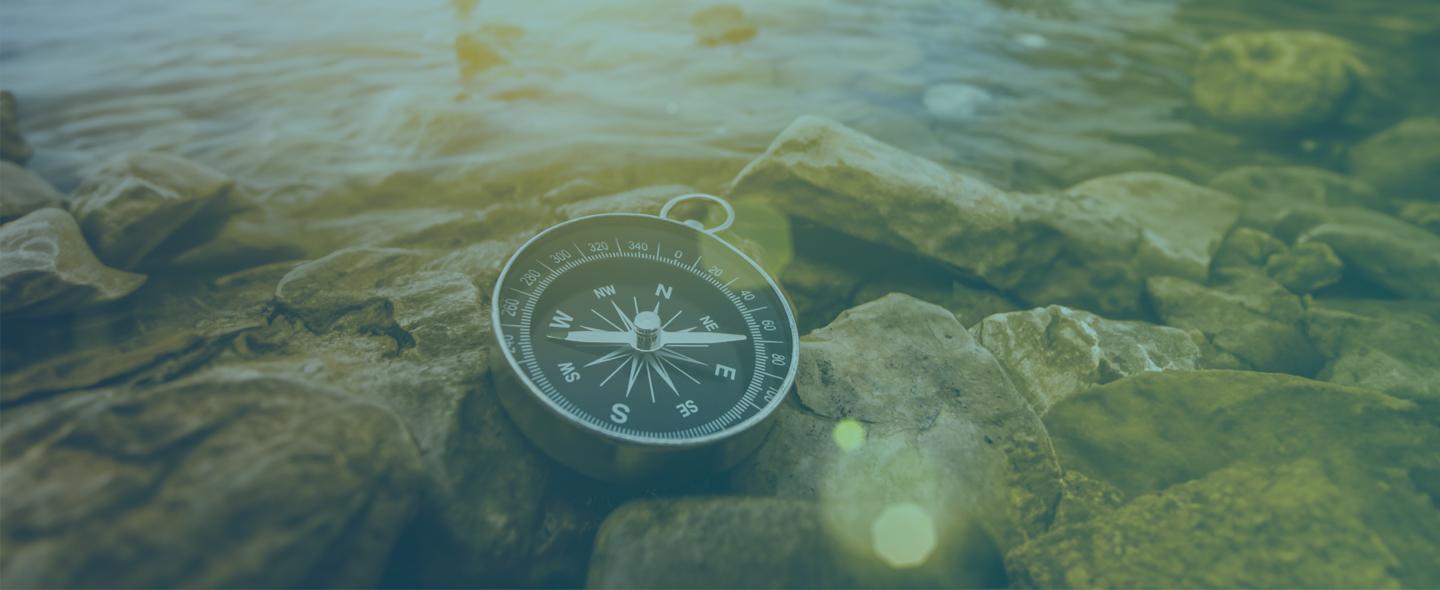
723	434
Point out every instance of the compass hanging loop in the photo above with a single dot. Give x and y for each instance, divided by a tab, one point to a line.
729	212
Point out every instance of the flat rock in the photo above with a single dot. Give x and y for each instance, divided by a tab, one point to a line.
1385	345
1288	526
1152	433
1089	247
13	147
21	192
1402	161
1054	352
226	479
134	203
47	268
1277	80
929	417
1250	321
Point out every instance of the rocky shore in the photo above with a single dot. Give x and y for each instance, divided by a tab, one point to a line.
1140	380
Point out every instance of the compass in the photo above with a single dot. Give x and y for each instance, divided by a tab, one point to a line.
634	344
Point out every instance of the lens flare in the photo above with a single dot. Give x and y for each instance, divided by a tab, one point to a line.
849	434
903	535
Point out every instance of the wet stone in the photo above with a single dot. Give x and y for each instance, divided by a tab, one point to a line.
1054	352
1271	192
1250	321
134	203
1306	268
1206	477
13	147
1389	346
935	421
1377	248
47	268
1402	161
1275	79
21	192
225	479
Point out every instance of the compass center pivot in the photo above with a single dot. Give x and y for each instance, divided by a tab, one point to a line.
647	331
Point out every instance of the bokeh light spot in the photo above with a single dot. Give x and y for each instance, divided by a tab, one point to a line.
849	434
903	535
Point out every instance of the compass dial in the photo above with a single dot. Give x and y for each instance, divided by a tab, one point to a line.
645	329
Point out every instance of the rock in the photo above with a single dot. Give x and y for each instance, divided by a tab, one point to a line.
955	102
1090	247
1289	526
941	427
379	322
1279	80
1250	320
1246	247
1152	433
741	542
1054	352
1378	248
13	147
1402	161
1424	214
753	542
226	479
1270	192
1389	346
818	290
47	268
647	200
722	24
1306	268
134	203
21	192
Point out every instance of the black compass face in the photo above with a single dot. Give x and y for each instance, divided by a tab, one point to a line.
645	329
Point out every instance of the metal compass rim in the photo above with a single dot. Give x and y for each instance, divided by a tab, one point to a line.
533	391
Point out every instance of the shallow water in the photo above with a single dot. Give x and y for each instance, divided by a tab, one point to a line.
318	93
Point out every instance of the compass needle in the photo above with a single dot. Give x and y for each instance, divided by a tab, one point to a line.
718	334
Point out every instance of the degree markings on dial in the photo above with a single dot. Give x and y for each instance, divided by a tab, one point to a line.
751	392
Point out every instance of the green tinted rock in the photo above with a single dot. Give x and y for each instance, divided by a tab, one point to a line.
1275	79
1287	526
1389	346
1246	247
1403	160
1378	248
818	290
1270	192
47	268
13	147
1306	268
134	203
21	192
941	427
226	479
968	303
1250	320
1424	214
1054	352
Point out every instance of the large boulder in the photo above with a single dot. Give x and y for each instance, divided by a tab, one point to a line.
897	403
13	147
1249	320
1385	345
375	322
136	202
1091	246
227	479
1287	526
1275	80
1373	463
1054	352
47	268
1402	161
21	192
